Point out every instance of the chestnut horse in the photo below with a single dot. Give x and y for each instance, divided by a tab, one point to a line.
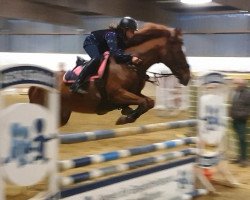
123	83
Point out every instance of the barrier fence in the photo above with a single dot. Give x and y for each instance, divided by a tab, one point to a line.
175	160
177	175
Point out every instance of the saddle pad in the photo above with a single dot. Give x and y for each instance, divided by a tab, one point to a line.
72	75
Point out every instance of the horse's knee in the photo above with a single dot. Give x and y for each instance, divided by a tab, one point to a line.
145	105
151	103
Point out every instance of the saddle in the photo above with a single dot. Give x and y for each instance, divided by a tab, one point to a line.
72	75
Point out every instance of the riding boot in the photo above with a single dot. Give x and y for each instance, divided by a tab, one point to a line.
89	69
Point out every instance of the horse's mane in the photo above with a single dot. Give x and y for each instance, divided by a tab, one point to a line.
148	32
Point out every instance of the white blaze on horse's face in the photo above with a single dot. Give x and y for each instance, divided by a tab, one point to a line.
184	49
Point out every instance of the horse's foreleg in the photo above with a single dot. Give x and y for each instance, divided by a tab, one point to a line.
126	110
141	109
144	104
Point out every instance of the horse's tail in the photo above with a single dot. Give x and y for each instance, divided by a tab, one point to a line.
37	95
31	92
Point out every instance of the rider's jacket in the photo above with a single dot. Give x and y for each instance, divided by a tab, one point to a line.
112	40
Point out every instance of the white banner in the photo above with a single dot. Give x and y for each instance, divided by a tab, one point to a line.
169	184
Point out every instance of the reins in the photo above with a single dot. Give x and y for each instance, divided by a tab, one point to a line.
156	77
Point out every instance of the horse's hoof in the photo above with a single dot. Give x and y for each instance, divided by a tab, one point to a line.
122	120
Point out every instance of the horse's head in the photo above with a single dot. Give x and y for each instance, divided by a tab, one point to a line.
173	56
156	43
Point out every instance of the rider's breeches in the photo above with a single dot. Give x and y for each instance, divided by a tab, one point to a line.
92	50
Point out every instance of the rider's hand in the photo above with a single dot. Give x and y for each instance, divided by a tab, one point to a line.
136	60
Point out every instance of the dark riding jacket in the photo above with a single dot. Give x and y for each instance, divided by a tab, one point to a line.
112	40
240	108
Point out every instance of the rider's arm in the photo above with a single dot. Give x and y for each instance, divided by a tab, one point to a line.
119	54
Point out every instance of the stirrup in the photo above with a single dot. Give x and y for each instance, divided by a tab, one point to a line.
74	87
78	90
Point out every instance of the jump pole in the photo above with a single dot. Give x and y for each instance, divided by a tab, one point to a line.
70	138
96	173
115	155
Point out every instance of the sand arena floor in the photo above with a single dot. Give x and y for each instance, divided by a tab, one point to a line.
87	122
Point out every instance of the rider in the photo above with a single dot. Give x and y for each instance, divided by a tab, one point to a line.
112	40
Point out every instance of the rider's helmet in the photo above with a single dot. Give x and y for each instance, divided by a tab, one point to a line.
128	23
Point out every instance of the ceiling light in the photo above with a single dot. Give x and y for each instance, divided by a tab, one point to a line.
195	2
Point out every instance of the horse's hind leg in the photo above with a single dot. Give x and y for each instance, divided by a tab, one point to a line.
144	104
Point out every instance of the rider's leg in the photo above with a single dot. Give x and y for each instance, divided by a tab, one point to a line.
90	67
92	50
